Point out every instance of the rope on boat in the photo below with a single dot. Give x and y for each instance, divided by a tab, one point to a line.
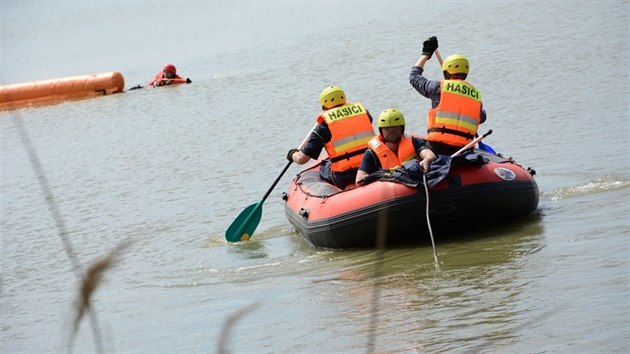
298	184
323	196
426	190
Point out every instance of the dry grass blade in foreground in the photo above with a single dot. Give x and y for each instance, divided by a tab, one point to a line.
229	323
91	281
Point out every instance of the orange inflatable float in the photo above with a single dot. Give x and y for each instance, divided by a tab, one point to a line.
58	90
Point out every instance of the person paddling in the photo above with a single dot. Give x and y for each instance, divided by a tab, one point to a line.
343	129
457	110
168	76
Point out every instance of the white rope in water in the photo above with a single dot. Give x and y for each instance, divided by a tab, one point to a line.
426	190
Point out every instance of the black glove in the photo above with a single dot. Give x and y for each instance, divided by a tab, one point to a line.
290	154
429	46
188	80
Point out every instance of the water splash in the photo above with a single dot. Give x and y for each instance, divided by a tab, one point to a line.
599	185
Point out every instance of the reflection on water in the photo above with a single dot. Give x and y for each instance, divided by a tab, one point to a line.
477	284
483	251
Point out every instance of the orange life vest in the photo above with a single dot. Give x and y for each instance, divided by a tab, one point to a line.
351	129
456	119
387	157
161	80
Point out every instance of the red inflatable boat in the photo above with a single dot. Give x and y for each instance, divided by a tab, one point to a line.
479	188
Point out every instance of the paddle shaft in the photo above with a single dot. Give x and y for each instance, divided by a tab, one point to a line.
276	181
438	56
288	165
472	143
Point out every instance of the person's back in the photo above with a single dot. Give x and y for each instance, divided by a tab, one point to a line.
343	130
457	109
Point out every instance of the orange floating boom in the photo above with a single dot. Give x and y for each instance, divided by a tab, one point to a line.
59	90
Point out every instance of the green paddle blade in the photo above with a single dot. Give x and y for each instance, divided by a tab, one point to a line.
245	224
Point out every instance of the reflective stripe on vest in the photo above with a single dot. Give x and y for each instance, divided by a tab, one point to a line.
456	119
351	129
387	157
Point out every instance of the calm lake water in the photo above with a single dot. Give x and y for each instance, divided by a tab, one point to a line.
169	169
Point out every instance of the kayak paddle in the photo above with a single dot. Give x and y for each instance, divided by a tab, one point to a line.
246	222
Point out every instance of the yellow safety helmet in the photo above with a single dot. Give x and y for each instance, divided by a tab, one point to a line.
391	117
332	96
455	64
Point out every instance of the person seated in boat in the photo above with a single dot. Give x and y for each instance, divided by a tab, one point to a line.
343	129
392	147
168	76
457	110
